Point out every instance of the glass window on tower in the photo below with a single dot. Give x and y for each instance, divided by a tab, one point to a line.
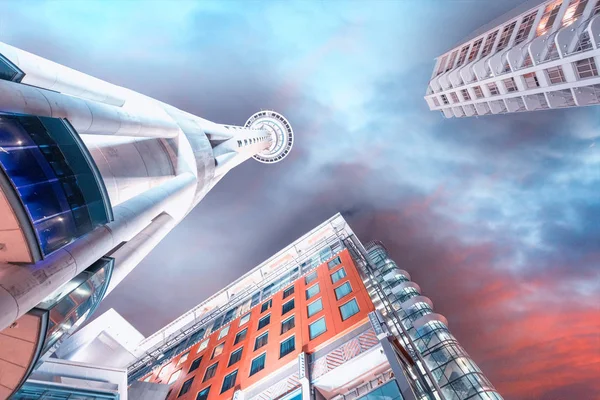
60	188
349	309
312	291
186	387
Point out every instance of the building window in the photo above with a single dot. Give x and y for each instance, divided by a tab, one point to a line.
266	306
235	356
463	55
287	307
174	377
288	292
343	290
525	27
475	49
241	335
436	102
586	68
186	387
547	20
203	394
454	97
183	358
223	333
489	43
261	341
314	307
574	11
317	328
287	346
218	350
195	364
493	89
203	345
258	364
451	61
333	263
531	80
465	94
444	99
288	324
510	85
478	92
556	75
312	291
310	277
337	275
229	381
349	309
244	319
264	321
255	299
210	372
506	34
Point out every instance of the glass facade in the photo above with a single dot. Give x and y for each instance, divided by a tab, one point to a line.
455	374
388	391
73	304
56	179
35	391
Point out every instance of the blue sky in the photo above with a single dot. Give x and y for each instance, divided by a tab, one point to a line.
497	218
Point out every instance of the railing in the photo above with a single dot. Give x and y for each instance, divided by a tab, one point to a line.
584	42
349	350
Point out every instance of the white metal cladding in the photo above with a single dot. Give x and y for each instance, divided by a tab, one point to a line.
517	68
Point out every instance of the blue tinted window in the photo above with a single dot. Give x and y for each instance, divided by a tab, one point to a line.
343	290
349	309
55	177
317	328
258	364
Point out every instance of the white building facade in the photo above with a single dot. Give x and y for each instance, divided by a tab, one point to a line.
541	55
92	177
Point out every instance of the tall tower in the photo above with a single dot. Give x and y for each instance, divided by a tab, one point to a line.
542	55
92	177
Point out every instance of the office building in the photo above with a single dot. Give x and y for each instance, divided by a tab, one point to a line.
541	55
92	177
324	318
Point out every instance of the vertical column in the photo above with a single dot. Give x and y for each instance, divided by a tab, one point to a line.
303	376
569	71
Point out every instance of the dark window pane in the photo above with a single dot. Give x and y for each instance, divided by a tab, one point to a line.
210	372
264	321
235	356
287	346
203	394
195	364
229	381
258	364
288	292
261	341
186	387
287	307
240	336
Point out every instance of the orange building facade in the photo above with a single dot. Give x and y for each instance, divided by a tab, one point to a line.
324	318
330	301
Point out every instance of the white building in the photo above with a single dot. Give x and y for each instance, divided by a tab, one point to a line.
92	177
540	55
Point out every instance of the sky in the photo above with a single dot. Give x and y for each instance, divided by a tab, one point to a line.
496	218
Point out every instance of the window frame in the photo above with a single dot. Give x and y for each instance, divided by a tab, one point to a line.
339	287
223	389
192	368
293	318
311	337
181	392
316	293
345	304
283	311
239	351
308	313
264	363
265	318
293	337
264	334
239	338
205	378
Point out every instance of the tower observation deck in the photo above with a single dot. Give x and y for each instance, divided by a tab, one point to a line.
92	177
